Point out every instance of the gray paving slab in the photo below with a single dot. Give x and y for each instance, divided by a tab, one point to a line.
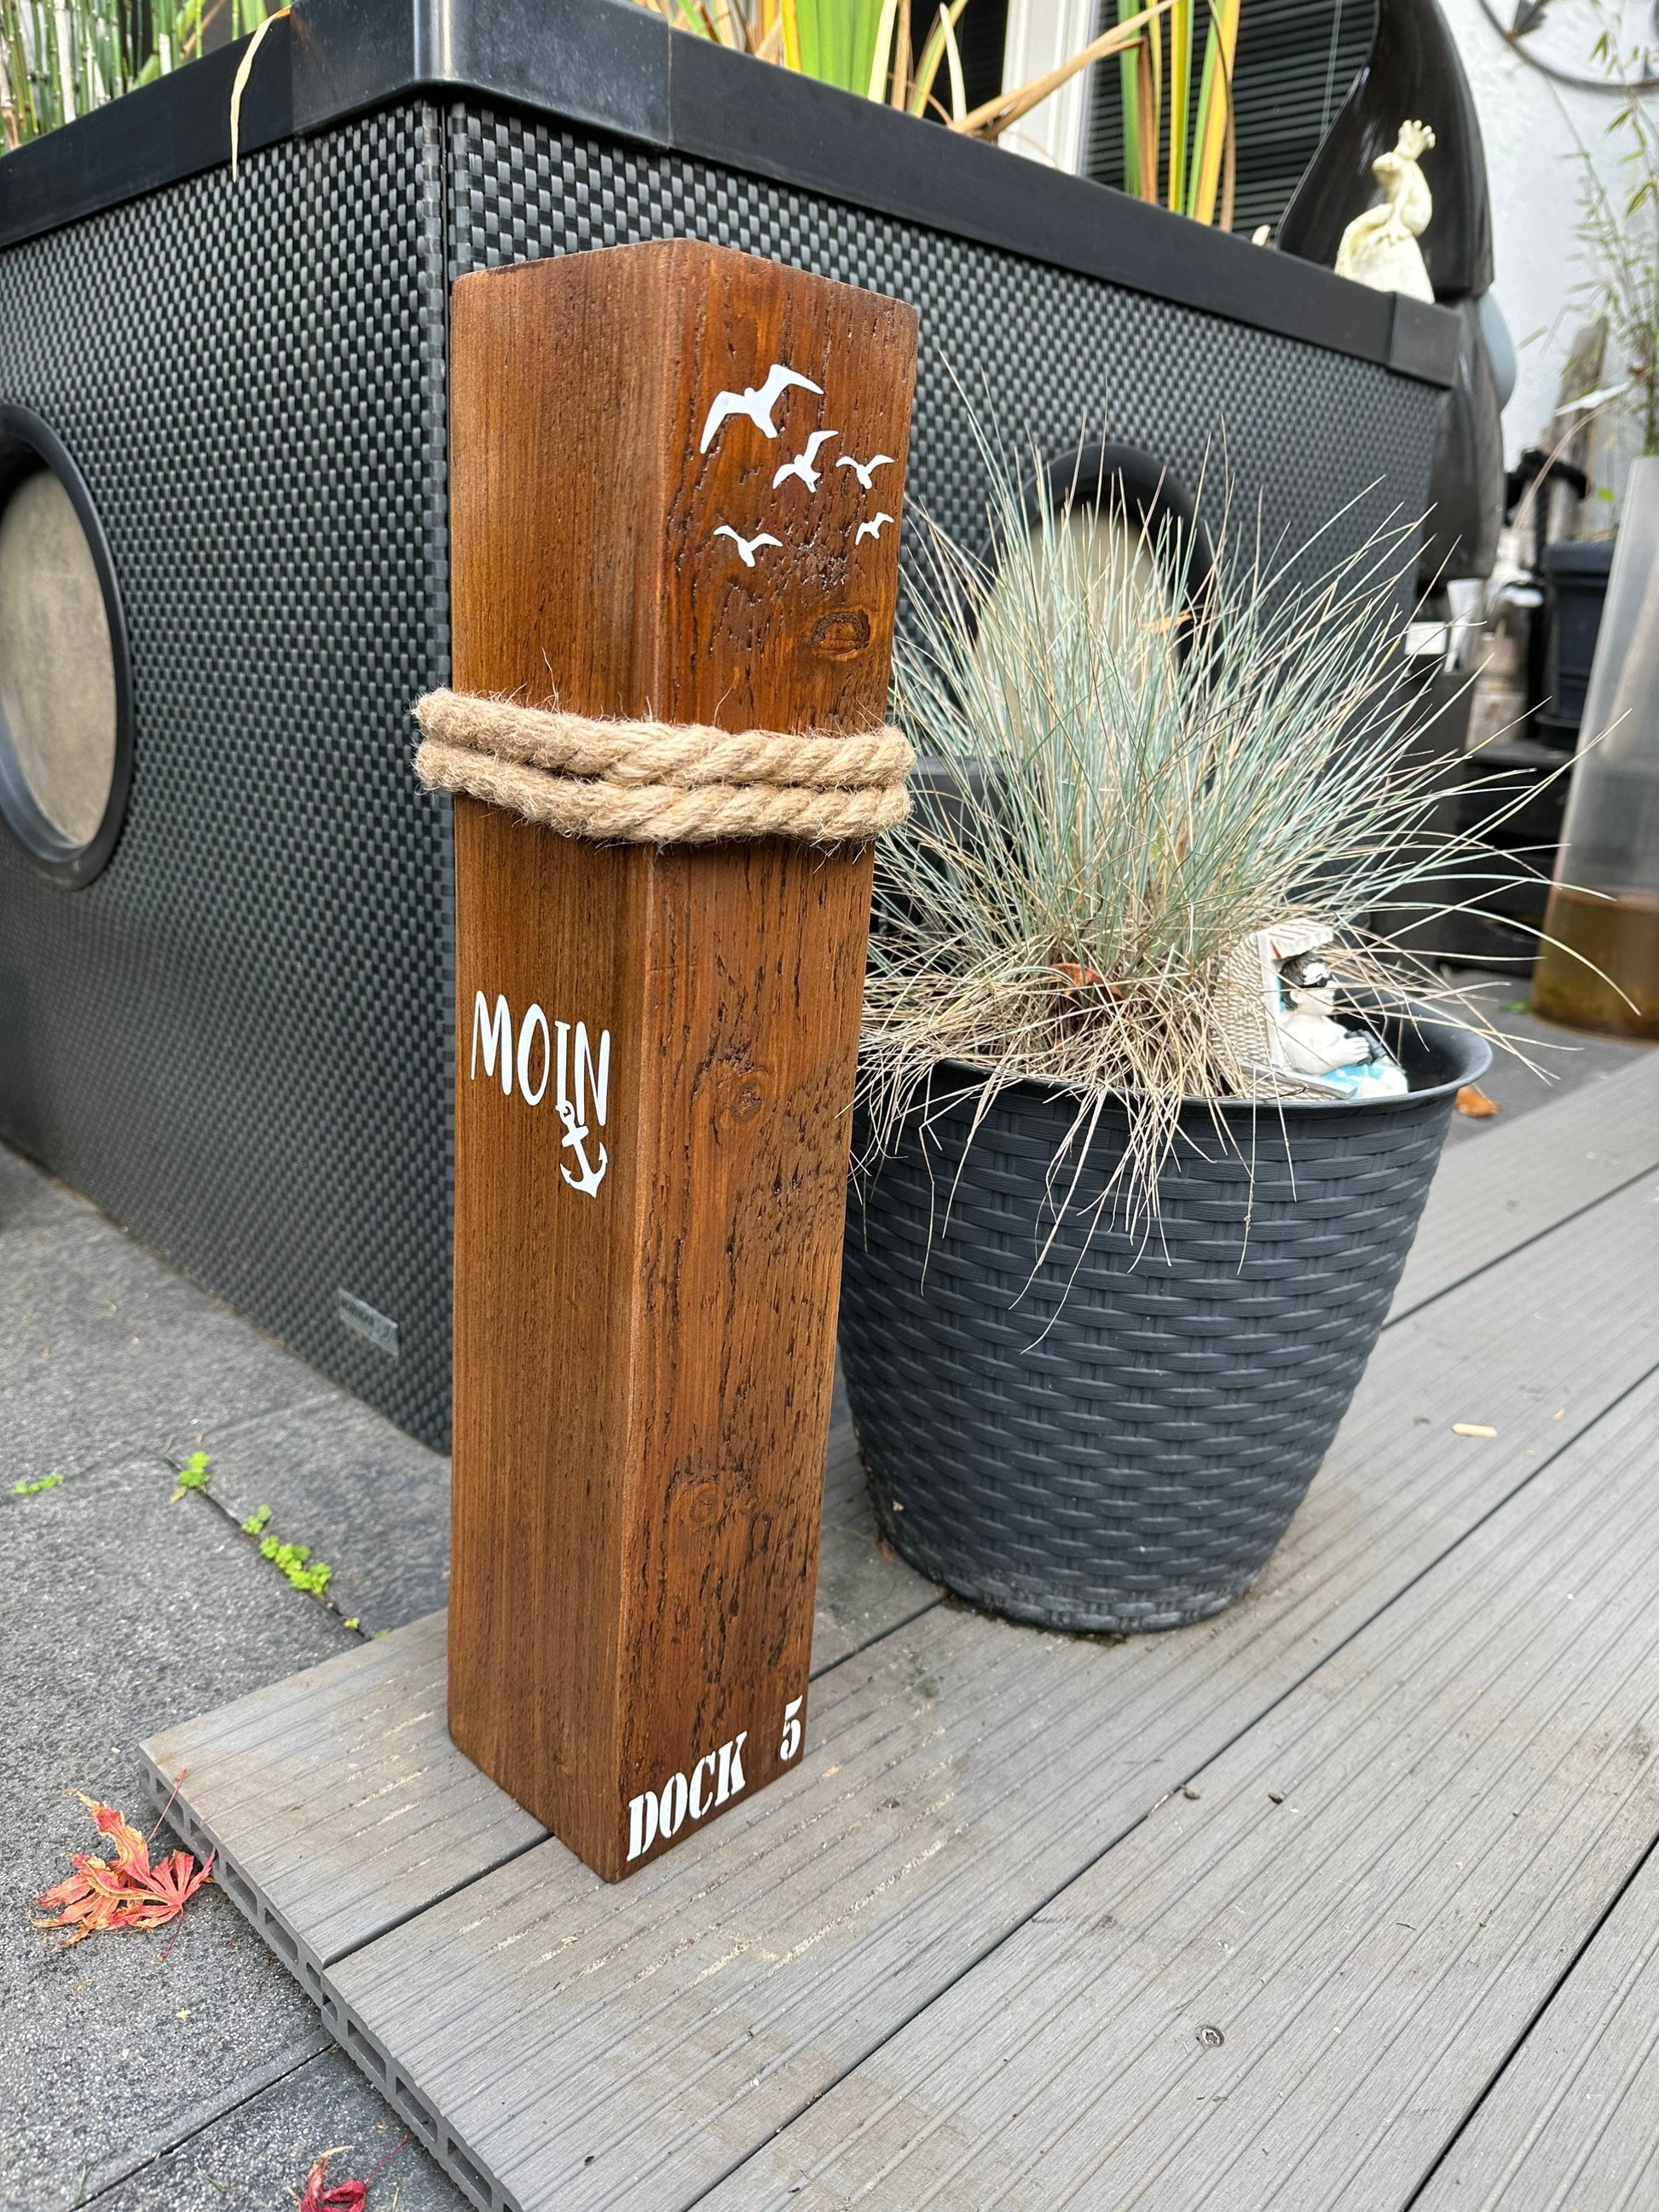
364	1496
32	1201
256	2158
103	1352
119	1613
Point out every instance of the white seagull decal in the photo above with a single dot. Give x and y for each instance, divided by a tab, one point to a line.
801	466
871	529
748	547
867	469
756	402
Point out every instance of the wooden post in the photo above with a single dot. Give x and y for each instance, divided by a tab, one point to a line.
655	1047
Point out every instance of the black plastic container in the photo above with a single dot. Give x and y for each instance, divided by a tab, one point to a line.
1117	1439
1576	584
237	1039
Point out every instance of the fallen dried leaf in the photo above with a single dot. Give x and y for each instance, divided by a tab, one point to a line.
123	1892
322	2194
1471	1428
1474	1102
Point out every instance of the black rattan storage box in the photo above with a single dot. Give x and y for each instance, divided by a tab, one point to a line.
235	1038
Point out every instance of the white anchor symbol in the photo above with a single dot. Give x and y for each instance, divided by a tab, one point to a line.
576	1139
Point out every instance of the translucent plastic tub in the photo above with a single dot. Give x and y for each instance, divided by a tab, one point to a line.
1601	969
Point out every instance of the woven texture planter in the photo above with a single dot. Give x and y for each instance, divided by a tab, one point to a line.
1118	1440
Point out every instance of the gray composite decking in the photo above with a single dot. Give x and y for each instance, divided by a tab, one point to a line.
1574	2120
960	1957
1590	1143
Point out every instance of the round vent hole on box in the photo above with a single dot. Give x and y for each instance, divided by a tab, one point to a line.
64	742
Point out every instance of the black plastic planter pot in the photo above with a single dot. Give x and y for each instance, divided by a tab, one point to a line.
1118	1440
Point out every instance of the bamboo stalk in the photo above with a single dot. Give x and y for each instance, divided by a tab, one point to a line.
953	56
1230	163
1181	87
881	59
64	29
901	78
1214	106
1129	78
932	59
1146	133
7	111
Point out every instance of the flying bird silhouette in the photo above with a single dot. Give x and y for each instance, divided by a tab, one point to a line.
748	547
801	466
756	402
871	529
867	469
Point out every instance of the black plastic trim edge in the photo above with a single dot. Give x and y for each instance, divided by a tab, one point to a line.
70	866
611	66
175	128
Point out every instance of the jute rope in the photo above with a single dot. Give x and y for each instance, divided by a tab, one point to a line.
660	783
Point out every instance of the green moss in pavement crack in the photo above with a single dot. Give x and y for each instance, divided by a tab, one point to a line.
293	1560
295	1564
192	1475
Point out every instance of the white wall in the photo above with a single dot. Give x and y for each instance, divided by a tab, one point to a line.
1527	123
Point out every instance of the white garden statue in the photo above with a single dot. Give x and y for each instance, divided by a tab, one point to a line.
1380	248
1276	1003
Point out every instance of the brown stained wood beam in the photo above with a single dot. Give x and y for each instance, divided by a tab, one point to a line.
645	1315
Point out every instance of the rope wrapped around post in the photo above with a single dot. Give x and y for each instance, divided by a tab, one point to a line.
661	783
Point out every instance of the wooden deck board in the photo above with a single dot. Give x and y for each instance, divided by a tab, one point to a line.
1528	1175
338	1804
961	1773
1573	2120
335	1798
1370	1896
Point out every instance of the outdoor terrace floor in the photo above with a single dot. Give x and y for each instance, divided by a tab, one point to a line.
1347	1896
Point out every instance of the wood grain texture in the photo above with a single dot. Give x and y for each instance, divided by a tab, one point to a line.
1526	1176
1291	1988
643	1374
964	1772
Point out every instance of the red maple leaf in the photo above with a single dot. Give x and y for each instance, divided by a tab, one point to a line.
322	2196
123	1892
